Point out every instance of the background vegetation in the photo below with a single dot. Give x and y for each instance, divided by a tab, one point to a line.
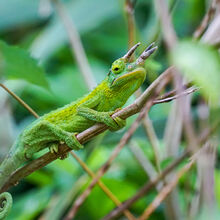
48	68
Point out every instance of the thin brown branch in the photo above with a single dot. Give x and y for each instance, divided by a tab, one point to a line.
83	165
20	101
153	140
76	44
146	188
104	188
85	135
165	191
168	99
171	185
129	10
204	23
124	140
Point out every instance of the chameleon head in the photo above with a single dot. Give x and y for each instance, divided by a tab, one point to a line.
124	73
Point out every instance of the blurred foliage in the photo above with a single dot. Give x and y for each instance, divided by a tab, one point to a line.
34	28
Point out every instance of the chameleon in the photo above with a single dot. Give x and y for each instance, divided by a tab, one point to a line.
61	125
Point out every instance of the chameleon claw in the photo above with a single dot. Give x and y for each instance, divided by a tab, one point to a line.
54	148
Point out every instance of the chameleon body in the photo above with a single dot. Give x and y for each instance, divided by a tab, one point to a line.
61	125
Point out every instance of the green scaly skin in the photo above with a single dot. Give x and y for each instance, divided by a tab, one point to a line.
61	125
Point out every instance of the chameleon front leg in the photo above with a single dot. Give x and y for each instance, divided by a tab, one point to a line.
102	117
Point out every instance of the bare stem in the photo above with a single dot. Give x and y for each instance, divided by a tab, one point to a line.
76	44
20	101
104	188
84	136
171	185
124	140
204	23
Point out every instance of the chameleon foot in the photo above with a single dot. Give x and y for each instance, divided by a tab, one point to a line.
120	124
54	148
73	143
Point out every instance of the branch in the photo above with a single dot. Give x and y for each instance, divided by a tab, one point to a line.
20	101
76	44
85	135
148	186
124	140
171	185
204	23
104	188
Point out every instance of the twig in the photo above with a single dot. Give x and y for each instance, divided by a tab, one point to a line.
153	140
84	166
124	140
85	135
76	44
129	10
208	16
151	134
146	188
144	162
170	186
20	101
184	93
165	191
102	186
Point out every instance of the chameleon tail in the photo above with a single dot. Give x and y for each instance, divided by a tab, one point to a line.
6	203
12	161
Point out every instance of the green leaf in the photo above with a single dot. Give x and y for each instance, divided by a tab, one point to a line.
201	64
16	63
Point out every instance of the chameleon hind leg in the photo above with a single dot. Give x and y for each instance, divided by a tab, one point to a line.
61	135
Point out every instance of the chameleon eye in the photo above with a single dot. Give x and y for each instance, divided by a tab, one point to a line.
118	66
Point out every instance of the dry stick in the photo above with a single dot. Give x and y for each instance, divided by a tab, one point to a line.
129	10
84	166
78	51
76	44
124	140
106	166
149	130
183	104
20	101
85	135
208	16
146	188
168	99
102	186
165	191
170	186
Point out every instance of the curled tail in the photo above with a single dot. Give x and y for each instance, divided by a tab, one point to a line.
5	204
13	160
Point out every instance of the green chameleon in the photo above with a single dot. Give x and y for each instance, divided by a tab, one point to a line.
61	125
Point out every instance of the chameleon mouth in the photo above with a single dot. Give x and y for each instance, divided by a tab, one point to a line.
137	73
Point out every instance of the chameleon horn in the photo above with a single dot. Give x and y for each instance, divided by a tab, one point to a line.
150	49
128	55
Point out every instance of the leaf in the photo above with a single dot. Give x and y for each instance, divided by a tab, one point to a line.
201	64
16	63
